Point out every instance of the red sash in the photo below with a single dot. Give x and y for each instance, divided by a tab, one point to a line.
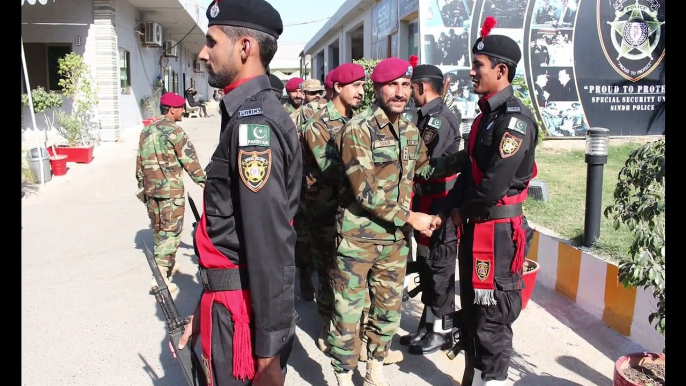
425	206
238	304
483	255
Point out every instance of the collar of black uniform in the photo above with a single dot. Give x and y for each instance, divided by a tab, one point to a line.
430	106
497	99
245	90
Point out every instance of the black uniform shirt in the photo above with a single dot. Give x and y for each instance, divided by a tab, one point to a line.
251	196
504	152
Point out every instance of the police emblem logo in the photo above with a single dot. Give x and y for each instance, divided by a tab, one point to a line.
428	135
482	268
480	46
255	167
509	145
214	10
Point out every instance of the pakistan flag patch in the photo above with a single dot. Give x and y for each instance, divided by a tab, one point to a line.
253	135
517	125
436	123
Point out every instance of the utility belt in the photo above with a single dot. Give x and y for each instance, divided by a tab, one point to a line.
498	212
223	279
430	188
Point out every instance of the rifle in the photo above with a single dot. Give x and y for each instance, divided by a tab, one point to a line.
450	321
195	210
413	267
190	365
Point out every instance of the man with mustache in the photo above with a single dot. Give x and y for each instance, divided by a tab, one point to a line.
244	238
381	153
494	234
294	89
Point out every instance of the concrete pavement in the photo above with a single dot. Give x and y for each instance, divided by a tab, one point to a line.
87	317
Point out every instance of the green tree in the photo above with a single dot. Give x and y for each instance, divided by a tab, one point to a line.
369	96
79	85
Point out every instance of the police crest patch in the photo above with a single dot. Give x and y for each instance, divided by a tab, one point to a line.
482	269
509	145
255	167
428	135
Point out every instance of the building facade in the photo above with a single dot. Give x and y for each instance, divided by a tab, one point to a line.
584	64
131	46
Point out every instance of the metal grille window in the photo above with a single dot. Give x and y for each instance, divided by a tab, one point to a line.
124	71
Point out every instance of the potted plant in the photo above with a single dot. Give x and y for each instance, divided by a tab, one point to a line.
44	101
639	203
78	127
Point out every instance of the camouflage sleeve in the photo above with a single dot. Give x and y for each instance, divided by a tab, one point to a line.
358	161
185	152
440	166
317	142
139	168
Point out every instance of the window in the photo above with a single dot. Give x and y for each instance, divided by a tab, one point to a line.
413	39
124	71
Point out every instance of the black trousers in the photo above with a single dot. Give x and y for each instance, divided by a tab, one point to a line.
489	328
437	278
222	349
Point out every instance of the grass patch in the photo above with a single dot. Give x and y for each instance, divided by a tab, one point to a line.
564	172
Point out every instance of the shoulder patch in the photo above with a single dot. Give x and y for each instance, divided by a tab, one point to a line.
408	116
509	145
249	112
436	123
253	135
514	109
255	168
517	125
428	135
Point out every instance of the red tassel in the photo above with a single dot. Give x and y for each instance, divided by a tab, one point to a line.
414	60
243	361
488	25
519	238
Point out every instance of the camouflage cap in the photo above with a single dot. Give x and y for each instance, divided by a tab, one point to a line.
312	85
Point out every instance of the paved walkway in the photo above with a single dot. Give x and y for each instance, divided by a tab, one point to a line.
87	317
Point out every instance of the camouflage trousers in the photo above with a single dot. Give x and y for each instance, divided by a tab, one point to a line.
323	246
166	218
303	256
365	270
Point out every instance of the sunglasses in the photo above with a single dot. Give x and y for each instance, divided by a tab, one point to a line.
312	92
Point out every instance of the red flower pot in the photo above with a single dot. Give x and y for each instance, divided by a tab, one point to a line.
630	360
529	279
58	164
79	154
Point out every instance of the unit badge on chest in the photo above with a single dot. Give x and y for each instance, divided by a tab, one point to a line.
509	145
255	167
428	135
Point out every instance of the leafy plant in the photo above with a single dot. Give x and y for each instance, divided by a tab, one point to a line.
521	91
42	101
369	96
79	85
639	203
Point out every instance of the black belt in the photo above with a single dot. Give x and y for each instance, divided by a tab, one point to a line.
499	212
429	188
223	279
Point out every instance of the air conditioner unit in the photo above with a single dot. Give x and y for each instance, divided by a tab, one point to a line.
198	66
171	48
153	34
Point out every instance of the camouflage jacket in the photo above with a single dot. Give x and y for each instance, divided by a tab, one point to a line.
164	151
306	111
321	161
289	107
381	160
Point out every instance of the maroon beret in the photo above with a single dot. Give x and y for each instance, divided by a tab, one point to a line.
328	83
391	69
293	84
172	100
348	73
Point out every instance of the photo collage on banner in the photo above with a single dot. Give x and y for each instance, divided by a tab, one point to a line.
445	26
551	58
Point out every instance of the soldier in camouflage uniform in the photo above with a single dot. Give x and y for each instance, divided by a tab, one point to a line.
295	94
322	164
164	152
314	101
381	154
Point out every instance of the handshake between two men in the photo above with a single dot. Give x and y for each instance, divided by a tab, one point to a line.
426	224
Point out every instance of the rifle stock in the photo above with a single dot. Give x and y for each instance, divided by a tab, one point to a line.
194	209
190	364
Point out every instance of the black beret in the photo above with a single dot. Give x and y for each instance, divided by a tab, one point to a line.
498	46
424	71
254	14
276	83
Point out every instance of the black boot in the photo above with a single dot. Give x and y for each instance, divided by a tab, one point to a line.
432	342
422	329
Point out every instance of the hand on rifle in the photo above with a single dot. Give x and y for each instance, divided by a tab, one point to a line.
191	331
